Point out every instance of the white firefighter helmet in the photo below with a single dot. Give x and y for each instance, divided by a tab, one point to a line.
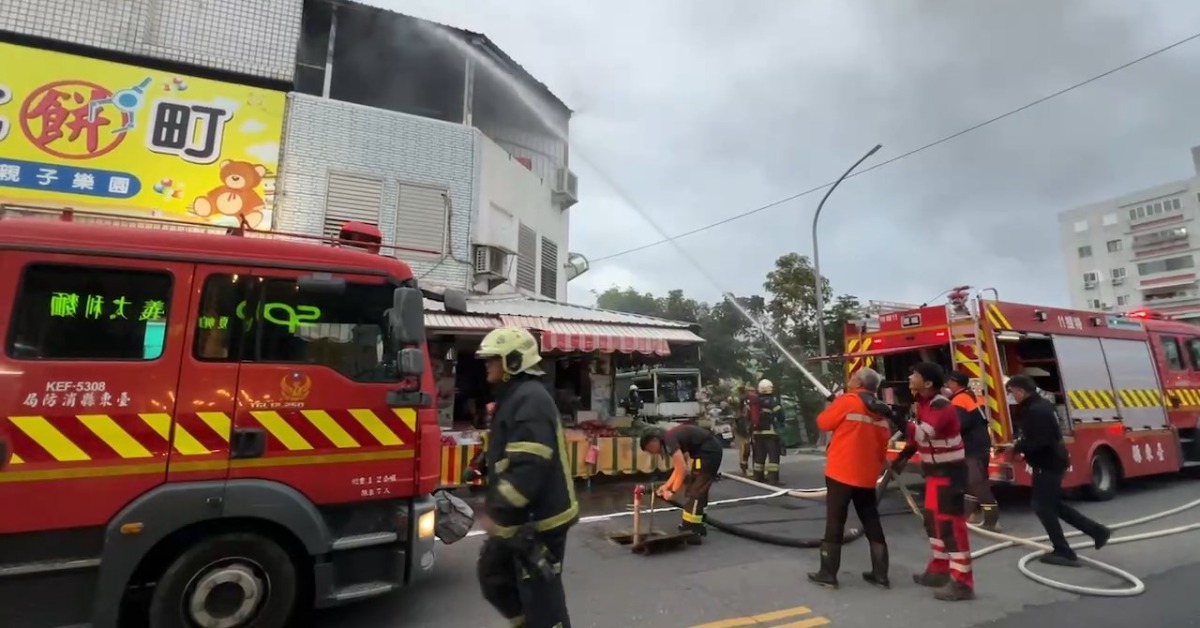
765	387
516	347
632	387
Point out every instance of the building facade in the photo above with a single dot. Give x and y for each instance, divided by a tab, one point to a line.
1135	251
430	133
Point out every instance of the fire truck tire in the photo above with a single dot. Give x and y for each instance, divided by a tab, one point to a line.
235	580
1105	477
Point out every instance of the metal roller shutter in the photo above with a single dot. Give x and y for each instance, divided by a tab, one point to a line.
351	197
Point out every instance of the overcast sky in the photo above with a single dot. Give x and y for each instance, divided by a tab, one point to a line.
702	109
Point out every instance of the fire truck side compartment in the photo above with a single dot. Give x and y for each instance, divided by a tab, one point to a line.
1132	368
1081	366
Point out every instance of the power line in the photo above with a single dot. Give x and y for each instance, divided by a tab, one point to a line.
910	153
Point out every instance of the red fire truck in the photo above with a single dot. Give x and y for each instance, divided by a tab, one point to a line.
1127	388
208	430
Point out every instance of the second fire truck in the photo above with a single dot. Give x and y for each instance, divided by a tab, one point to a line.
1126	387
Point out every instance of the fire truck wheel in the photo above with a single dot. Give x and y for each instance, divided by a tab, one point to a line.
236	580
1105	476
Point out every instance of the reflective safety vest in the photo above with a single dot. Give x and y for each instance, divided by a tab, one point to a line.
937	432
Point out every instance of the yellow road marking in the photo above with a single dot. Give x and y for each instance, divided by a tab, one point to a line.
376	427
107	430
280	429
764	619
334	432
50	439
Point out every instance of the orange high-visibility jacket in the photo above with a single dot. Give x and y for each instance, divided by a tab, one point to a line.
858	447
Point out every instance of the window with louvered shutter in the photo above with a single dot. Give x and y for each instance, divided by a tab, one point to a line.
527	258
549	269
351	198
421	219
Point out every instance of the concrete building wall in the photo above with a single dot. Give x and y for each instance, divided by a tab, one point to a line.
323	136
252	37
511	195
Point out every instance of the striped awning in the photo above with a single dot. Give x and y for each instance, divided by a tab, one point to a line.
443	320
570	337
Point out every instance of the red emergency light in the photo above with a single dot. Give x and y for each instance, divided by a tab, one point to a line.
361	235
1146	313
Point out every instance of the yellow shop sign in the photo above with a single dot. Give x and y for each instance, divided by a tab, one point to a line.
105	137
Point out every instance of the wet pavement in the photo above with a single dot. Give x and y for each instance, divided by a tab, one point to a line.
734	582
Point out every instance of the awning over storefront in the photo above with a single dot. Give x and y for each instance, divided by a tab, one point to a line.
460	322
571	336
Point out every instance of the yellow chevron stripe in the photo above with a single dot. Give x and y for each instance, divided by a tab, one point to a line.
49	438
368	420
1078	401
334	432
998	317
107	430
182	441
408	416
15	459
219	422
280	429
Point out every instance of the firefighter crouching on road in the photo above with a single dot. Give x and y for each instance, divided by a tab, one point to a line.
530	501
936	433
765	440
859	433
704	450
977	442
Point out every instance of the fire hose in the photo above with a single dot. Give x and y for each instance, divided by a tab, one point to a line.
1137	586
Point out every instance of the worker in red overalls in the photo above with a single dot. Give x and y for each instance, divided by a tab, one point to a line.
936	434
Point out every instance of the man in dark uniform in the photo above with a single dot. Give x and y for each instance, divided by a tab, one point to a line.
530	501
704	451
1041	443
765	442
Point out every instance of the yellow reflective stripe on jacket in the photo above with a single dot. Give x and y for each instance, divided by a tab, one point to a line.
511	494
531	448
690	518
502	465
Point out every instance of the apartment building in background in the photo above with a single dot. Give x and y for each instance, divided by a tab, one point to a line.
1137	250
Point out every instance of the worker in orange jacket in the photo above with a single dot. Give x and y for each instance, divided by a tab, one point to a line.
977	442
859	427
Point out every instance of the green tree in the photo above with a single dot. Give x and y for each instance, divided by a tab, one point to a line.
628	300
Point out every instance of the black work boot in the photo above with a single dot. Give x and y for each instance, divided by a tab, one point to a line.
697	530
878	575
991	517
974	514
1060	560
773	478
831	561
954	591
931	580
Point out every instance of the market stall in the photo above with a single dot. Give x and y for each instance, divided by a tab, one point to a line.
583	348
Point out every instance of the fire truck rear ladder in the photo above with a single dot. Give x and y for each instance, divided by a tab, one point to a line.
956	315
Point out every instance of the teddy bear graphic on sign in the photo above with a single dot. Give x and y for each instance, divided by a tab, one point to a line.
236	198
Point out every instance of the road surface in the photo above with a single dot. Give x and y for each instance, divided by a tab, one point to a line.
733	582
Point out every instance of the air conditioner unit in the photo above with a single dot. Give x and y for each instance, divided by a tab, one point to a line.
491	265
1089	284
566	188
1116	281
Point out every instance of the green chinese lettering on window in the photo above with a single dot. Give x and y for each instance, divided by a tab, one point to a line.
119	304
94	307
153	310
64	304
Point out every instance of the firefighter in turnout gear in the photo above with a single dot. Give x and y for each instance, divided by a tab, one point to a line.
765	439
530	502
741	428
694	474
936	434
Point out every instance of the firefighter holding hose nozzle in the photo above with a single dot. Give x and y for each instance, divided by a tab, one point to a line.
767	416
859	427
936	432
530	501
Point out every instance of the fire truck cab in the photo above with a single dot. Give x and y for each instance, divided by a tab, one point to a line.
208	430
1126	387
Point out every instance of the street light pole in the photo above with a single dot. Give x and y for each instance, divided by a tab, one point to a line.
817	292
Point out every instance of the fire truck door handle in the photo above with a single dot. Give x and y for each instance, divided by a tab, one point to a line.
248	442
